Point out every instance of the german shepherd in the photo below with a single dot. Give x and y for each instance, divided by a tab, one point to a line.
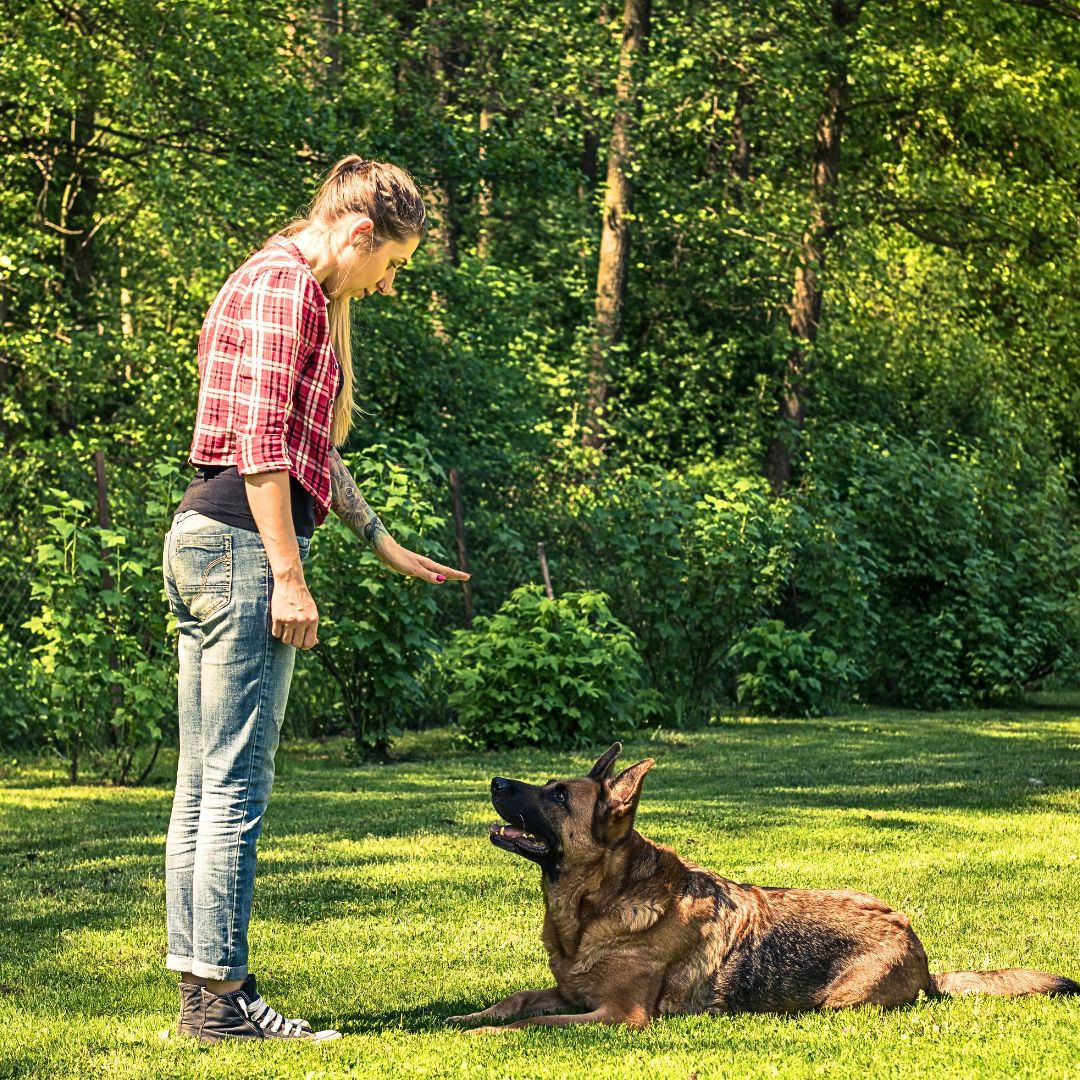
633	931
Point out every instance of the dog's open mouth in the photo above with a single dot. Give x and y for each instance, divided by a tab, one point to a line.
513	839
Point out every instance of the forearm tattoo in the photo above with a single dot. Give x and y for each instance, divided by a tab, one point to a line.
351	506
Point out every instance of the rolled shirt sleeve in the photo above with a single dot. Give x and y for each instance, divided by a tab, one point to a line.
272	320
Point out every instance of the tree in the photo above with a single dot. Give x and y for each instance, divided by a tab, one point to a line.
806	302
611	273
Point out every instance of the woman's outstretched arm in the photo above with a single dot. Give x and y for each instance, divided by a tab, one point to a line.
349	505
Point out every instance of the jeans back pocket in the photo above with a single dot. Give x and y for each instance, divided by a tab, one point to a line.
202	566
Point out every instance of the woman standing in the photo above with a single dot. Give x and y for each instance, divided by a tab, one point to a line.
275	400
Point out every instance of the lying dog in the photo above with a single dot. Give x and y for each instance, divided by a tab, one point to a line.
633	931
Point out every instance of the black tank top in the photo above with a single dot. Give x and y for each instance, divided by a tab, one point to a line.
218	492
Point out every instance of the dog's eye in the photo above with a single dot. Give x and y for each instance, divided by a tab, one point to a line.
560	796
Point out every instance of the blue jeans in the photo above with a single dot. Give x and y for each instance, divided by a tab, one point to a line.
233	686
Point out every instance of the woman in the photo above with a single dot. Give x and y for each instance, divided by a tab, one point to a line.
275	400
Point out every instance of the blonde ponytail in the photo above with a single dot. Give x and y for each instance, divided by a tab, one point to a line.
341	339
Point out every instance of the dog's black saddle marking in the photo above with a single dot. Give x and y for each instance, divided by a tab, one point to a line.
786	967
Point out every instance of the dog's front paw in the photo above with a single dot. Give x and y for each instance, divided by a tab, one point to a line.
469	1018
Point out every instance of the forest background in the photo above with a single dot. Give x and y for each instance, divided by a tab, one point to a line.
760	316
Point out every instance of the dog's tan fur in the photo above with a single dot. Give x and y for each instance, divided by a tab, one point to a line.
634	931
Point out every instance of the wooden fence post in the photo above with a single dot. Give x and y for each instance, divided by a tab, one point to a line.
544	570
107	582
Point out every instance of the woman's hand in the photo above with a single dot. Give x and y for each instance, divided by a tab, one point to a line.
352	508
295	619
411	564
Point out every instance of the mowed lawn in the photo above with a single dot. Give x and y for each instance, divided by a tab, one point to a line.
382	908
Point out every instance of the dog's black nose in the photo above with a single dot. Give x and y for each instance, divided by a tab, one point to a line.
499	784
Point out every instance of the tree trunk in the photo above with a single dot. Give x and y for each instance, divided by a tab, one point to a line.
335	15
615	238
483	202
6	363
487	51
805	309
590	137
444	228
405	65
590	162
739	160
67	206
77	212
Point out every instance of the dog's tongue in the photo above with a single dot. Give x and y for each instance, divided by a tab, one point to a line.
507	830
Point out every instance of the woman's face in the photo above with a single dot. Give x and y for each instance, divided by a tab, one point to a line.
363	271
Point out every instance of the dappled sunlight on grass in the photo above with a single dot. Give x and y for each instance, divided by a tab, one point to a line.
382	906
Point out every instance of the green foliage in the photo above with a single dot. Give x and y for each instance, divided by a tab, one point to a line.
377	630
689	558
970	559
490	385
896	572
147	148
832	591
560	672
101	681
782	672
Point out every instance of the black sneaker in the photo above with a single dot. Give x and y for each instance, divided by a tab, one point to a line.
190	1009
244	1015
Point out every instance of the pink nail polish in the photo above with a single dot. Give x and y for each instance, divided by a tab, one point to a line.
439	577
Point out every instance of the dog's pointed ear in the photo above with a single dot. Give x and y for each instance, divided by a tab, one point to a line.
604	762
625	790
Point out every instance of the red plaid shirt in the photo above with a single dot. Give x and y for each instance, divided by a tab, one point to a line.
267	374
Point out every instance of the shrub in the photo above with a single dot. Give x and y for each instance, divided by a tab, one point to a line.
102	675
376	628
970	559
784	673
560	672
690	560
831	593
896	571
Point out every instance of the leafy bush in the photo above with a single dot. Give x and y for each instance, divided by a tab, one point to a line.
784	673
560	672
690	560
897	571
970	558
831	591
102	676
377	629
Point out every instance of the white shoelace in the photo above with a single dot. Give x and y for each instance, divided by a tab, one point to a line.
258	1012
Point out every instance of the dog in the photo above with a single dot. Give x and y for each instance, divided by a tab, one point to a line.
633	931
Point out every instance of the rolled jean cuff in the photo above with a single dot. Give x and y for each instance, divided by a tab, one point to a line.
204	971
178	963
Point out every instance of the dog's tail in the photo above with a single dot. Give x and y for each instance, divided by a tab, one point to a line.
1008	982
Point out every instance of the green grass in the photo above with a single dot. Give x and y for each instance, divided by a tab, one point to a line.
381	907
